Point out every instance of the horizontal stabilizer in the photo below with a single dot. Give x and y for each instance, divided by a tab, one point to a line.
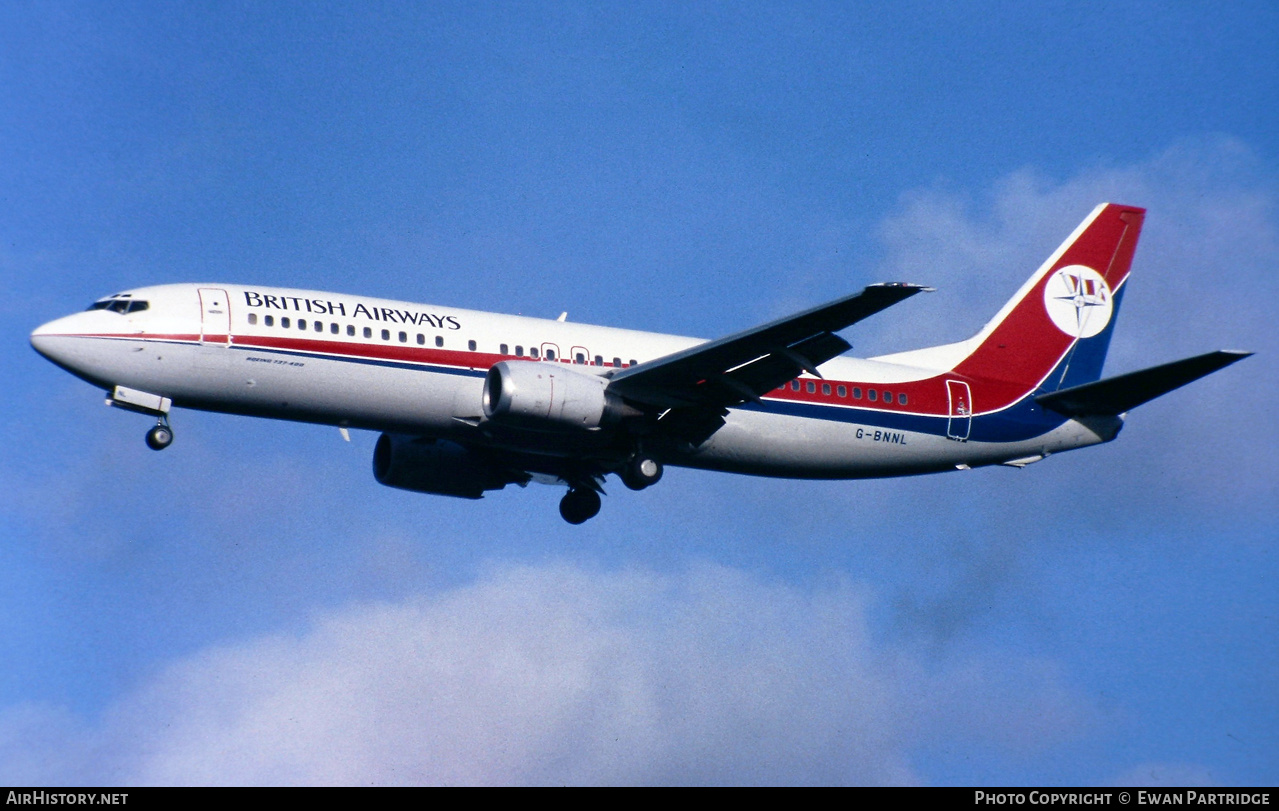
1116	395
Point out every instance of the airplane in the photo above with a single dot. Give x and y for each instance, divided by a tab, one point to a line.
469	402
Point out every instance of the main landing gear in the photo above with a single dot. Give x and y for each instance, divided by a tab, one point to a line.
641	471
161	436
580	505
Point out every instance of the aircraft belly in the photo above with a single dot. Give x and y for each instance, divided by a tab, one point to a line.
445	402
765	444
785	445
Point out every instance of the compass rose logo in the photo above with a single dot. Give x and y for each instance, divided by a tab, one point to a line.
1078	301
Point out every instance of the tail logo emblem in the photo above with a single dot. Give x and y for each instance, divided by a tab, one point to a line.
1078	301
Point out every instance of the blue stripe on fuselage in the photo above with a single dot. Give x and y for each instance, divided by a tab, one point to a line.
1023	420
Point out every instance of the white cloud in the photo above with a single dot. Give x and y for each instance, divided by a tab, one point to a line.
1209	240
552	675
1203	279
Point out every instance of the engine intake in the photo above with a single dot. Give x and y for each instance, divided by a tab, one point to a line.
543	395
435	466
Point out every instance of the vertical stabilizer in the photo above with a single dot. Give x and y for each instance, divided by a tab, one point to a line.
1055	331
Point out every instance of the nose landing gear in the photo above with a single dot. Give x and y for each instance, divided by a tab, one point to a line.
161	436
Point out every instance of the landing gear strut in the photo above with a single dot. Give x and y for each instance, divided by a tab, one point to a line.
641	471
580	505
161	436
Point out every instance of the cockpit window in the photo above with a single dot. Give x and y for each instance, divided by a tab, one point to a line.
119	305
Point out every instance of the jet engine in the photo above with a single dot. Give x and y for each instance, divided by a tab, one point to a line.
546	396
435	466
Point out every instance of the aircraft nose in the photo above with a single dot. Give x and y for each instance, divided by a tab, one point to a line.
52	339
40	340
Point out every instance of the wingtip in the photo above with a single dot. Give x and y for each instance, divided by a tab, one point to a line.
919	288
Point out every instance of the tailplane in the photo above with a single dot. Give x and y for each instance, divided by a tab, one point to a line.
1116	395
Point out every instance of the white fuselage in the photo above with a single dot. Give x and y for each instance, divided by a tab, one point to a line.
419	369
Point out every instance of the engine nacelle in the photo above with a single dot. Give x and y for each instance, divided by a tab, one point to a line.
547	396
435	466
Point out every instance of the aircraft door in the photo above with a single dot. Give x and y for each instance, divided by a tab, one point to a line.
215	317
961	410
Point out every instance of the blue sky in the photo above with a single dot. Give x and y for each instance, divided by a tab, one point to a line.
251	607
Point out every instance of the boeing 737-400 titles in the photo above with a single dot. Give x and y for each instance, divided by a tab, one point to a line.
468	402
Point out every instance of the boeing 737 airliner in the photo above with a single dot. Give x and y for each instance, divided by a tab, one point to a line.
472	401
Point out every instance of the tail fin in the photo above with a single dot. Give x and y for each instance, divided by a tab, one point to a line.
1055	331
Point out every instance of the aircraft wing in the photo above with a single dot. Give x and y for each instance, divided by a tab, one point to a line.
745	366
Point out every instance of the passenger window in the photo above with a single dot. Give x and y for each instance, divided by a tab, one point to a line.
470	345
404	337
794	385
532	352
811	387
386	335
579	358
825	388
421	339
901	399
519	351
284	321
888	397
253	318
617	363
439	340
872	395
842	391
550	354
319	326
599	360
270	320
368	332
634	362
501	349
334	328
350	330
857	393
301	323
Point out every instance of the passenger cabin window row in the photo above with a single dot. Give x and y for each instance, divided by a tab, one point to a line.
402	337
841	391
